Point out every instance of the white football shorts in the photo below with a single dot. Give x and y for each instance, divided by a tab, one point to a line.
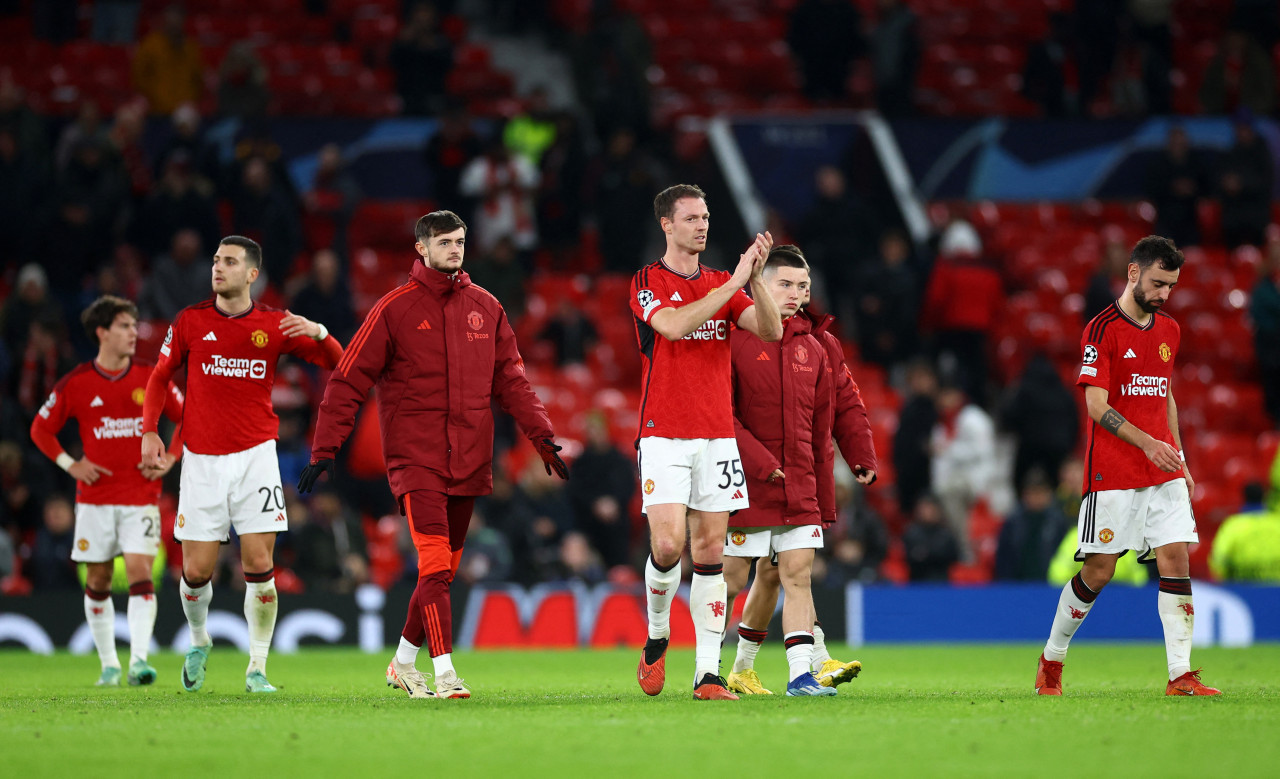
704	474
103	532
756	542
221	491
1115	521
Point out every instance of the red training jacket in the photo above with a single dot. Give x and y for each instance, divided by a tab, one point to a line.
851	429
782	418
438	348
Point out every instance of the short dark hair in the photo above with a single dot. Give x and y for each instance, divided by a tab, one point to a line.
664	205
1153	249
252	250
786	256
103	311
437	223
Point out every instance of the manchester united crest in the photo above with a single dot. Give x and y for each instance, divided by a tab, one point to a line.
139	394
83	545
648	486
802	355
475	320
259	338
1106	535
182	521
738	538
1165	352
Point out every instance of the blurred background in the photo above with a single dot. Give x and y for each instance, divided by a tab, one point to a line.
965	176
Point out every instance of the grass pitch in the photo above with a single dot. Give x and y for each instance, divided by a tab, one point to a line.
915	711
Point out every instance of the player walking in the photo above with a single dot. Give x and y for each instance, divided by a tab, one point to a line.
117	495
439	349
230	476
851	428
1137	486
690	473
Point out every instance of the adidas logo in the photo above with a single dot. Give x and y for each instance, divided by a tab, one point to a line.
676	297
817	533
424	325
1129	354
737	495
97	401
649	423
763	356
210	336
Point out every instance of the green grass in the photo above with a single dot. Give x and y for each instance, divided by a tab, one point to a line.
915	711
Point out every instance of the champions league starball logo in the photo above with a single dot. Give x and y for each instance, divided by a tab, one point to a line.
1090	354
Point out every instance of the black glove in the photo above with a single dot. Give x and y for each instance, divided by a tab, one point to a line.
547	449
312	472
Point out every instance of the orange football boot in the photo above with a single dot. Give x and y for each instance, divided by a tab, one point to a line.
713	688
653	676
1048	677
1189	684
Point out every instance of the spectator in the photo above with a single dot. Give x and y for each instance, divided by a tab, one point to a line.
334	195
126	142
421	57
501	274
17	117
888	297
1264	310
46	358
447	154
621	184
1044	418
326	294
540	516
167	68
931	546
87	124
24	485
570	333
579	563
1239	76
330	546
1175	183
601	485
178	279
262	208
1108	282
963	469
563	169
530	133
24	191
242	85
962	304
1030	535
911	458
1044	77
1244	186
116	21
1149	26
486	555
838	235
825	37
90	197
181	201
202	155
504	186
50	566
1097	35
29	302
895	58
860	525
1247	545
1070	482
610	61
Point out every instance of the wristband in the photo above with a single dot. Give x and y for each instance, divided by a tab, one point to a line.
65	461
1182	456
324	332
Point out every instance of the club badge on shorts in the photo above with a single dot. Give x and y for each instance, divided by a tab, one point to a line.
1106	535
738	538
648	486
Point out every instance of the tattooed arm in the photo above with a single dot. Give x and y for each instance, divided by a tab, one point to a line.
1164	456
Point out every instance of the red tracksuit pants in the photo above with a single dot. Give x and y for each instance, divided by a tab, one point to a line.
438	524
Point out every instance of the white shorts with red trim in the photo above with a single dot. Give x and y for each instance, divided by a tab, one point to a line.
704	474
756	542
103	532
221	491
1142	520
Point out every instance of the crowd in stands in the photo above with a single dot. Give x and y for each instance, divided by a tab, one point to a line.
123	192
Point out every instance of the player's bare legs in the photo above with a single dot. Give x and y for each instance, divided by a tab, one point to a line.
667	529
100	614
141	615
795	570
1073	606
261	602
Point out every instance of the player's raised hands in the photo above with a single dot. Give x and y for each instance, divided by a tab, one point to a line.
746	266
1162	455
293	325
88	471
764	245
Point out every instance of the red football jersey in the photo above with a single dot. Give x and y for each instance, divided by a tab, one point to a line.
231	366
688	384
1134	365
108	409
